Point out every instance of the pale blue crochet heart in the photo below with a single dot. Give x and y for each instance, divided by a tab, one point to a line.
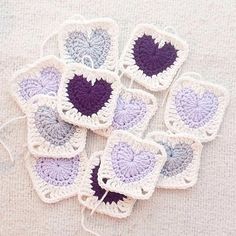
96	46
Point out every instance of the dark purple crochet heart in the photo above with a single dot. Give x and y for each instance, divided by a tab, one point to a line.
99	192
88	99
150	58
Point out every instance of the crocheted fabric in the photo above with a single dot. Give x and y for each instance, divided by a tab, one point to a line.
96	39
87	97
152	57
183	160
42	77
90	192
133	112
131	165
196	107
48	134
56	179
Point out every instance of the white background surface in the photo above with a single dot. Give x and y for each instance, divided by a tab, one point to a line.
209	208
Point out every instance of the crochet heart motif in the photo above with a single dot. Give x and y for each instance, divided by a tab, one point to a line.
195	110
178	158
47	82
96	46
52	127
151	58
99	192
128	113
58	172
88	99
130	166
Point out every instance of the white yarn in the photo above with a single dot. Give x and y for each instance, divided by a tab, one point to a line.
162	80
2	127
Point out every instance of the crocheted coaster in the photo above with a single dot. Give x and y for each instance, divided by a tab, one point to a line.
48	134
183	159
152	57
130	165
90	193
134	110
42	77
56	179
96	39
87	97
196	107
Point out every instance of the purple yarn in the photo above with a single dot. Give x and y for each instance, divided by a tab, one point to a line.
87	98
128	113
178	158
99	192
47	82
52	127
151	59
130	166
58	172
195	110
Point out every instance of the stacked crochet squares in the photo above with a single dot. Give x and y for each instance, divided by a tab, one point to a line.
63	97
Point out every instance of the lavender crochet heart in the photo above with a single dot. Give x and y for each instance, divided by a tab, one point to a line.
195	110
45	83
99	192
150	57
97	46
130	166
58	172
51	127
88	99
128	113
178	158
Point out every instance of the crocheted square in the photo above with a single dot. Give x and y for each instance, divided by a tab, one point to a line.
42	77
87	97
48	134
152	57
96	39
56	179
90	193
130	165
183	159
196	107
134	110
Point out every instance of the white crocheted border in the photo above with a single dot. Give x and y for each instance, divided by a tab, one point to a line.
162	80
38	145
86	27
139	127
174	122
188	177
121	209
32	71
139	189
47	192
103	118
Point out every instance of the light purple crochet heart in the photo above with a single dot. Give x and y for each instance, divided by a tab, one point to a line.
45	83
130	166
128	113
195	110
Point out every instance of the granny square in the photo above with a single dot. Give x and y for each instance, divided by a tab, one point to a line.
90	193
130	165
41	77
153	57
196	107
183	159
96	39
56	179
87	97
48	134
134	110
